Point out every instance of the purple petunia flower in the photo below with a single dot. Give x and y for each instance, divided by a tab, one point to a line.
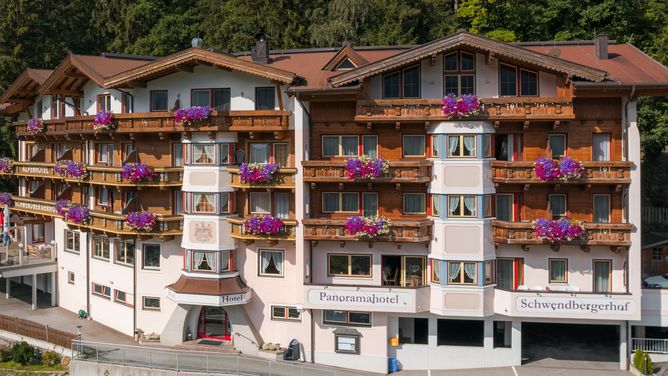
367	227
546	169
191	116
570	169
365	167
5	199
6	165
71	169
137	172
103	120
61	205
141	220
457	107
264	225
559	230
78	214
35	126
257	172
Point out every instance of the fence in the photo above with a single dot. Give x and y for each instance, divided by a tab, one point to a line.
189	361
37	331
653	215
651	345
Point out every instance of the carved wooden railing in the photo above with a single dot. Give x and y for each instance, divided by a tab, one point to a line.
237	231
284	178
418	110
596	172
400	231
605	234
161	122
398	172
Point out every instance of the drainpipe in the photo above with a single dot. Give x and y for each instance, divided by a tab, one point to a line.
88	282
134	294
627	125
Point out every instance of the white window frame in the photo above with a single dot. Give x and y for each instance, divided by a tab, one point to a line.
259	263
146	308
286	313
143	256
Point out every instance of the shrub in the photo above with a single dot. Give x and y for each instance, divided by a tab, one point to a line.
642	362
22	353
5	354
50	358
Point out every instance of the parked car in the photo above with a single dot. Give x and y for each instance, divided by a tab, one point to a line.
656	282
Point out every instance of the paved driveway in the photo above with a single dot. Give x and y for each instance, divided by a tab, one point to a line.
522	371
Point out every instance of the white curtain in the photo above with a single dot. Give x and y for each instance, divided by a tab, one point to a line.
370	204
224	154
265	260
259	153
469	269
453	205
225	262
436	205
601	277
349	145
204	154
469	204
272	262
601	147
198	258
260	202
453	145
469	145
436	270
282	202
414	203
601	208
370	147
204	203
350	202
281	154
454	269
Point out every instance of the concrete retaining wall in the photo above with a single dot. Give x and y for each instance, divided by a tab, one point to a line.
83	368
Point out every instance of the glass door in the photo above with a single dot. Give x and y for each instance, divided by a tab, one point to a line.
504	274
214	324
414	271
602	270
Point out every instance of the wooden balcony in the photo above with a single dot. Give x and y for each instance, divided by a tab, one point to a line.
494	109
284	178
400	231
596	172
237	231
399	172
102	222
163	122
100	175
615	235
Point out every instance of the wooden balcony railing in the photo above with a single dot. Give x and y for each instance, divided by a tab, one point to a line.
162	122
100	175
284	178
605	234
596	172
238	232
111	223
420	110
400	231
399	172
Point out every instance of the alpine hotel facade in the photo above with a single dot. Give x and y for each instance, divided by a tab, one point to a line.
247	233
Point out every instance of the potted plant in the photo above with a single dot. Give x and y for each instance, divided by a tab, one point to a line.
137	172
457	107
263	225
188	117
103	120
257	173
141	220
560	230
78	214
365	167
367	227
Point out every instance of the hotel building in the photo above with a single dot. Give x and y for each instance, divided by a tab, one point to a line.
460	280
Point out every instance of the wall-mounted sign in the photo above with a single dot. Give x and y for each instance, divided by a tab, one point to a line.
345	343
397	300
573	304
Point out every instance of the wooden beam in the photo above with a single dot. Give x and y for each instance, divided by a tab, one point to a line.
20	100
26	92
185	68
67	93
134	84
278	95
75	75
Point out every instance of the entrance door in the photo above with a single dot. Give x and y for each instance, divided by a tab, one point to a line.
214	324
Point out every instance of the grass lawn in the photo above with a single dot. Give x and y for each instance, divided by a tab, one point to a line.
30	367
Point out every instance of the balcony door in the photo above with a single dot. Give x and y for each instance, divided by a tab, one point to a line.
509	273
214	324
602	272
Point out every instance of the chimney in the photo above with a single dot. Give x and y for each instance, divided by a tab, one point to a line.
260	53
601	46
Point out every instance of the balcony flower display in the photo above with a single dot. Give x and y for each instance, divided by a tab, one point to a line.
61	205
565	170
78	214
35	126
367	227
457	107
188	117
263	225
103	120
71	169
559	230
365	167
570	169
5	199
547	169
141	220
137	172
6	165
257	172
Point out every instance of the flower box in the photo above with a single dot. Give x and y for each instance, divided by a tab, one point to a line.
141	220
5	199
137	173
61	205
264	225
103	120
78	214
192	116
71	169
565	170
365	167
6	165
560	230
367	227
35	126
257	172
457	107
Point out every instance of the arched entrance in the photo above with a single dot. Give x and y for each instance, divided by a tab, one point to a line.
214	323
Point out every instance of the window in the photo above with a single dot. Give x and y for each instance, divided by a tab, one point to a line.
370	146
340	202
101	247
406	271
104	196
128	103
34	186
415	203
558	270
342	265
265	98
101	290
59	150
203	154
436	270
602	208
459	70
461	206
509	273
285	313
150	303
490	272
505	207
392	85
404	84
461	146
528	83
487	209
602	276
413	330
204	261
435	140
104	154
600	147
57	107
346	64
104	102
260	202
177	154
259	153
38	233
487	142
414	146
460	332
151	256
502	336
557	145
369	204
281	154
557	206
122	297
125	251
218	99
159	100
271	263
204	203
657	254
72	241
348	318
340	146
462	273
70	278
507	80
436	205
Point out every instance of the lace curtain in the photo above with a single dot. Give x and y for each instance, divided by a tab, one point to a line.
454	270
469	145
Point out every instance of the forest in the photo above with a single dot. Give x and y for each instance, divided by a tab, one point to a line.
39	33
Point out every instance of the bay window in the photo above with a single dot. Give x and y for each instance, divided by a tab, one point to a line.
436	270
204	261
340	202
461	206
406	271
462	273
204	154
348	265
461	146
206	203
490	272
435	205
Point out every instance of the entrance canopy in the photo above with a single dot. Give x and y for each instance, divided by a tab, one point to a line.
209	291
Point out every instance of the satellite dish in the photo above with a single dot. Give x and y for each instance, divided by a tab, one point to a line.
197	42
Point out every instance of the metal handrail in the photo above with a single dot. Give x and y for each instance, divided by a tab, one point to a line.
651	345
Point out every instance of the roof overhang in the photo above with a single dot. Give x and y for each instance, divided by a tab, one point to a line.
594	89
25	88
475	42
218	292
69	77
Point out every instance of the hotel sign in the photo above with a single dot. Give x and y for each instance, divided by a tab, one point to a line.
575	304
399	300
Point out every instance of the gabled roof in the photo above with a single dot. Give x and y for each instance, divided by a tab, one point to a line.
184	60
346	52
25	87
476	42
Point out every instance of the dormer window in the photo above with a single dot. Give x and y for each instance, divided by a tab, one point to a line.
346	64
402	84
459	71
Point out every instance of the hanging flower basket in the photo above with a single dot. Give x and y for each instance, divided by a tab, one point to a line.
457	107
35	126
61	205
71	169
565	170
137	173
365	167
188	117
5	199
6	165
368	227
104	120
141	220
257	172
263	225
78	214
563	229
